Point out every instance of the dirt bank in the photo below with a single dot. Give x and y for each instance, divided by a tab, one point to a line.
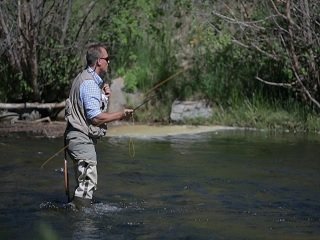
38	129
56	129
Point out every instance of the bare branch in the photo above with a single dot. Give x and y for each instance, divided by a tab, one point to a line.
90	7
305	90
286	85
66	21
9	42
277	10
240	43
251	24
270	55
288	33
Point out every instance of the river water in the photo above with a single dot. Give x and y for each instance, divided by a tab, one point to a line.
219	185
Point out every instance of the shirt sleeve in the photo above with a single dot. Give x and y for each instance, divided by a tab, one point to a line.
90	95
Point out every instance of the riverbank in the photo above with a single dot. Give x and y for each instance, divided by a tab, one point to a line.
31	128
56	129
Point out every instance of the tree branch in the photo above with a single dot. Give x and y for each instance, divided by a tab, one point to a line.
32	105
251	24
66	22
10	43
286	85
305	90
90	7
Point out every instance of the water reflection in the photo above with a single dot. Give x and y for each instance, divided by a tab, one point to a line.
223	185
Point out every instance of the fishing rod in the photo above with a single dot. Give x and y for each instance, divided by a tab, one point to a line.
143	102
147	99
167	79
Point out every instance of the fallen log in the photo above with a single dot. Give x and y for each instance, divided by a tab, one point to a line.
32	105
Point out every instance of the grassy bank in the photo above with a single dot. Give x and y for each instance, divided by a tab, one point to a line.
266	117
292	118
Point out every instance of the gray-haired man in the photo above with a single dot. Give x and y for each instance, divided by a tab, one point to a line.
86	121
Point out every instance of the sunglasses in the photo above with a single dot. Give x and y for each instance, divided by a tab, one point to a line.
107	59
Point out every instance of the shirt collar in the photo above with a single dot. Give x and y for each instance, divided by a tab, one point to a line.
98	80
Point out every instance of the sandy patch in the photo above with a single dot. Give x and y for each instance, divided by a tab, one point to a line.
160	131
120	129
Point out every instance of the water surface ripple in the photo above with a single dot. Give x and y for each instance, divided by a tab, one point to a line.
218	185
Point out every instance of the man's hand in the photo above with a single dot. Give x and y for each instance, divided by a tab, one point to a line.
106	89
127	113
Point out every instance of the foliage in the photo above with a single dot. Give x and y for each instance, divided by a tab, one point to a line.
289	116
285	32
140	43
40	52
243	56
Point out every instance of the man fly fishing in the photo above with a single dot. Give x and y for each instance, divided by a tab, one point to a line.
86	118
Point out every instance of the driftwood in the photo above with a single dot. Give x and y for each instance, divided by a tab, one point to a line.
32	105
45	119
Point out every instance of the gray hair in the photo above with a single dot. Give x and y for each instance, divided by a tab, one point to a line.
94	53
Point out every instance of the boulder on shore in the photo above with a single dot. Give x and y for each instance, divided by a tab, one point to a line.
186	110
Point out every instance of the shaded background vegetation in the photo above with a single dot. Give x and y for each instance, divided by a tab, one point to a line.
248	55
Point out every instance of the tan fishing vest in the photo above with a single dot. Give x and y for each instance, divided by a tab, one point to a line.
74	112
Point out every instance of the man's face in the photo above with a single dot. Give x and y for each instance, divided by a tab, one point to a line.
104	62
